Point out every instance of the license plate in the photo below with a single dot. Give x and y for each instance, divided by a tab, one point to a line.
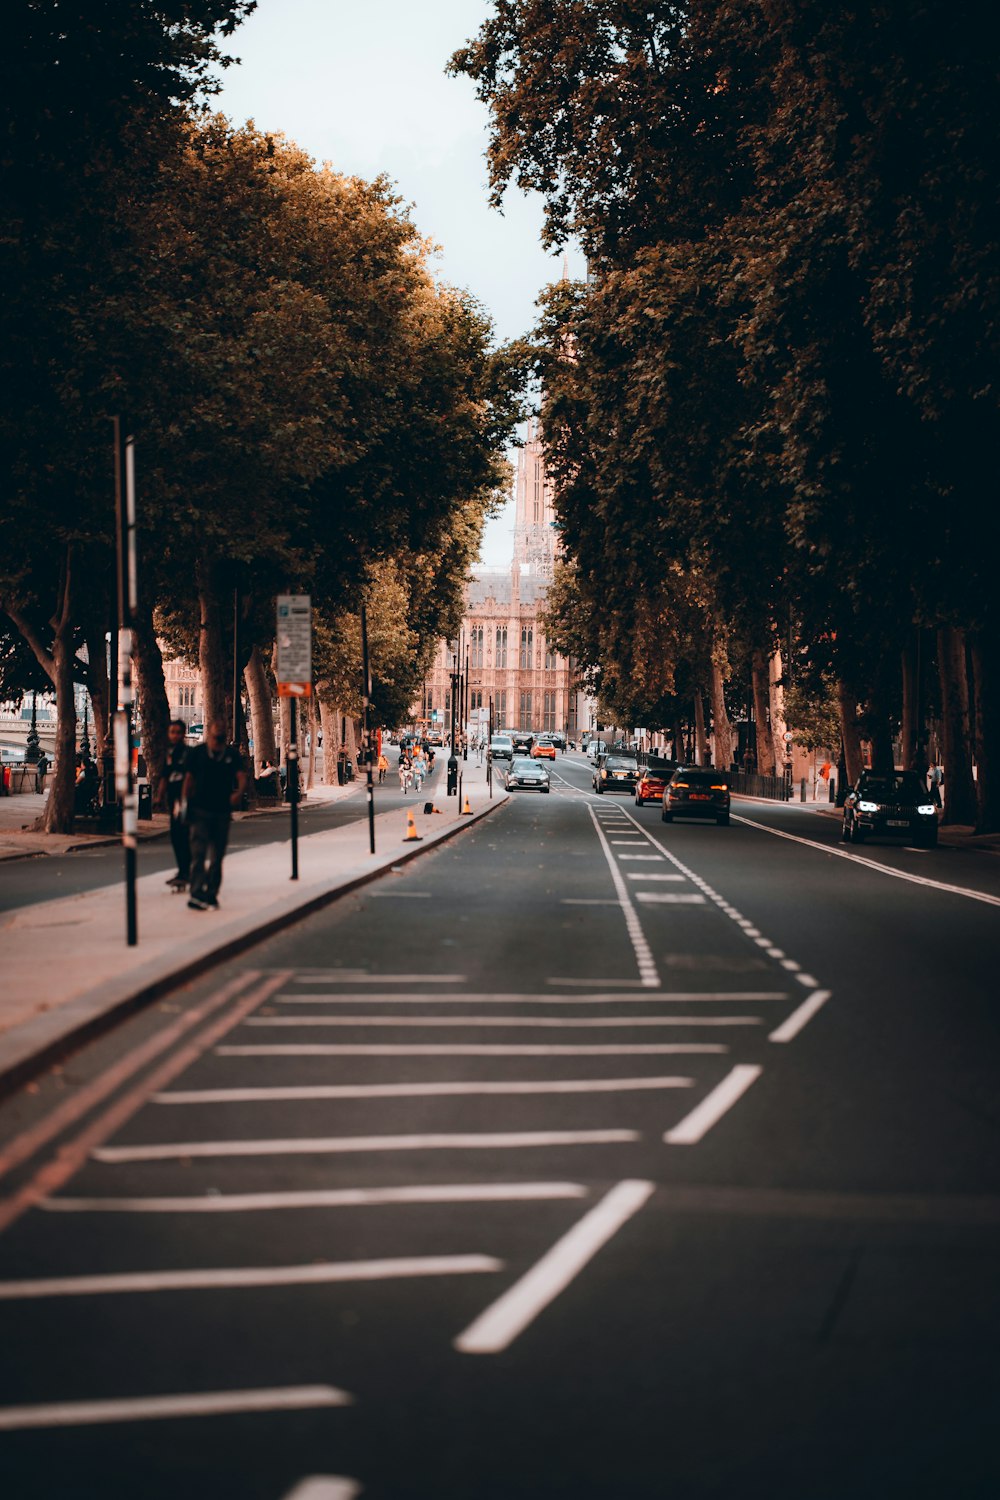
700	797
897	822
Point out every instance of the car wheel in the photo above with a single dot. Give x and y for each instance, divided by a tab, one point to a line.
857	834
929	841
599	789
723	820
845	831
546	790
666	817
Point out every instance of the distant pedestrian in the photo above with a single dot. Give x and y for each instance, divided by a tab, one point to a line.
214	783
171	791
41	771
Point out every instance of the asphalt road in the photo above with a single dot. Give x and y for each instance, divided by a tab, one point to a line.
23	882
583	1157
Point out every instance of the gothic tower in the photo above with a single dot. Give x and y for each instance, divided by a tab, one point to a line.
534	531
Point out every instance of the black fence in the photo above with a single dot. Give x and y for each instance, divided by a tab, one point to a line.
777	788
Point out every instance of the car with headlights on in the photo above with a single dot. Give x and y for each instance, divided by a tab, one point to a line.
653	778
616	773
893	804
527	775
697	792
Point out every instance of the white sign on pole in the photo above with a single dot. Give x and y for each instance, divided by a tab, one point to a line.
294	638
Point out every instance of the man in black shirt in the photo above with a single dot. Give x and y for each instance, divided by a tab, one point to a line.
172	787
214	783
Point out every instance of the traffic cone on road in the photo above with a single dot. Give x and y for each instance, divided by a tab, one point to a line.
465	806
411	829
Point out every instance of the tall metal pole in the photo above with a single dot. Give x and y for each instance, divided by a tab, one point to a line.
465	708
236	668
366	694
489	751
127	601
292	765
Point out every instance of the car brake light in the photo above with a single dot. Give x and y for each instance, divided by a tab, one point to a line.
722	788
679	784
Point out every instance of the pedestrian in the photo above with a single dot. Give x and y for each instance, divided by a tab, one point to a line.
342	766
41	771
171	791
383	766
214	783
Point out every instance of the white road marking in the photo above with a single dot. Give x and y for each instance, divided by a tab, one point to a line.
637	997
873	864
401	895
669	898
233	1203
325	1487
641	856
471	1049
444	1090
629	843
790	965
338	1145
606	984
794	1023
357	976
588	901
508	1317
217	1277
640	947
513	1023
652	875
157	1408
807	979
699	1122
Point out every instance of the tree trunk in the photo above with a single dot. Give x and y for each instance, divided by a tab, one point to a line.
776	704
722	729
99	688
985	647
847	706
700	738
261	710
765	744
58	815
959	787
211	650
329	719
154	705
881	738
677	742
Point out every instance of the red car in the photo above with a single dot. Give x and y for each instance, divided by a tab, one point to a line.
653	780
543	749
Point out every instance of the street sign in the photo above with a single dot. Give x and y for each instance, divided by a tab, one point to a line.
294	637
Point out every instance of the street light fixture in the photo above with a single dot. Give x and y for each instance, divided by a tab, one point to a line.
32	748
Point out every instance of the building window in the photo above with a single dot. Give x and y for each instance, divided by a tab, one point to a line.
527	642
549	712
550	657
500	709
501	660
525	717
476	646
475	699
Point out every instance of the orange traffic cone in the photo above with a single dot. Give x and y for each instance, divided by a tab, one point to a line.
411	829
465	806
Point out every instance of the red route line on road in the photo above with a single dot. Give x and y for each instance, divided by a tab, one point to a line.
71	1157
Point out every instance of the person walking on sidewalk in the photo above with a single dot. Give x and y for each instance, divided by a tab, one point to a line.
214	782
171	791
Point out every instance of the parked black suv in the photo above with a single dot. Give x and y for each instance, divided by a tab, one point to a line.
895	804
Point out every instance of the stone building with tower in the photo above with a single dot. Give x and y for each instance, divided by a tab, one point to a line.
509	656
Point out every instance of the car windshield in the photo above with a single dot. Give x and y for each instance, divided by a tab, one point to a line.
699	777
500	742
621	763
903	786
660	768
522	763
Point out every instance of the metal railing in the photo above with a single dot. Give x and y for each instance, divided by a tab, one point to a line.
750	784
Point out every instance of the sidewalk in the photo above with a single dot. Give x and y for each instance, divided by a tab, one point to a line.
18	814
68	972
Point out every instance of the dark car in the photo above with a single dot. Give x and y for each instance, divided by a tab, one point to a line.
523	741
895	804
527	775
616	773
653	778
697	792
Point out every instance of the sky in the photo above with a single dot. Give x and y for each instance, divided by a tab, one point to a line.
363	86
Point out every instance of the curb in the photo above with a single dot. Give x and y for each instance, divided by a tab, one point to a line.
33	1056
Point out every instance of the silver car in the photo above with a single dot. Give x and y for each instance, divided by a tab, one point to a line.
527	775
